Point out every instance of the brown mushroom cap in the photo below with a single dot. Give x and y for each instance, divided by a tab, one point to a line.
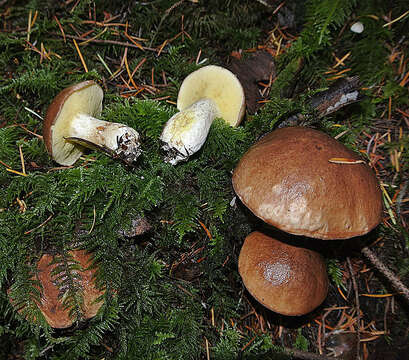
83	98
287	279
287	180
51	304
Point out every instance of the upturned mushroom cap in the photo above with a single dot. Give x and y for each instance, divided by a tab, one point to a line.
287	279
51	300
218	84
83	98
288	180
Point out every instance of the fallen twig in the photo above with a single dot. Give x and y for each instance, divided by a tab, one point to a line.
389	275
107	42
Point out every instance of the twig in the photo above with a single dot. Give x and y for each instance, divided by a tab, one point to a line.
358	310
342	93
389	275
167	12
106	42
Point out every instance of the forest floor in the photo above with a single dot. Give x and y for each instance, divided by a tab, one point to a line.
143	51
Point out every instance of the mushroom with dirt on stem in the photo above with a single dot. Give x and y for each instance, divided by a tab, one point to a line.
71	125
207	93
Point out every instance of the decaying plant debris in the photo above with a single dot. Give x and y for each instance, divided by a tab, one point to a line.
165	239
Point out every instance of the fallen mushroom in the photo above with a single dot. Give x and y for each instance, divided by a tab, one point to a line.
51	305
287	279
288	180
70	126
205	94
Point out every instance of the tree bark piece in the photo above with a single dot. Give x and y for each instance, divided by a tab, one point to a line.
250	71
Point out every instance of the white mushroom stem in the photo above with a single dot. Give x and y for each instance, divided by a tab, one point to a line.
116	139
185	132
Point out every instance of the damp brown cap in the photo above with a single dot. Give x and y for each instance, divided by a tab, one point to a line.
286	279
51	305
292	180
82	98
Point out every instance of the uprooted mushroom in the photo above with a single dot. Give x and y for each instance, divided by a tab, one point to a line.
71	125
205	94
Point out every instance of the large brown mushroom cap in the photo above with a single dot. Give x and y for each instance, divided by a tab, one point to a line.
51	304
287	180
287	279
83	98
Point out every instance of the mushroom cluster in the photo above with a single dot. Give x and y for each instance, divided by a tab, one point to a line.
207	93
52	294
305	183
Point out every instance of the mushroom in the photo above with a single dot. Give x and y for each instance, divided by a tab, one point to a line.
287	279
51	304
207	93
304	182
70	125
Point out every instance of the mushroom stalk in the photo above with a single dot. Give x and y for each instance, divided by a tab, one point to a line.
211	91
118	140
186	131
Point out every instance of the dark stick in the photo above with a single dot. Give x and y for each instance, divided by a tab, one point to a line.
342	93
389	275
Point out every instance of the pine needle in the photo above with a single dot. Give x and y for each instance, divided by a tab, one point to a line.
80	55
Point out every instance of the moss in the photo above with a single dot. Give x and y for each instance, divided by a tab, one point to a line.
165	285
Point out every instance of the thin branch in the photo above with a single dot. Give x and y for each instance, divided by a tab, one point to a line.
389	275
106	42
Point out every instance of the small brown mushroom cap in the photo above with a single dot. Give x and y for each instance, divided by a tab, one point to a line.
287	279
82	98
288	180
51	300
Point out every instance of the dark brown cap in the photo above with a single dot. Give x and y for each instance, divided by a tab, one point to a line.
305	182
82	98
287	279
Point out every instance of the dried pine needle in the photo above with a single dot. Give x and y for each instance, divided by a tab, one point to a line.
345	161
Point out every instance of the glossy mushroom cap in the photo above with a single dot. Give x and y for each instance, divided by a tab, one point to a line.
218	84
288	180
83	98
286	279
51	300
